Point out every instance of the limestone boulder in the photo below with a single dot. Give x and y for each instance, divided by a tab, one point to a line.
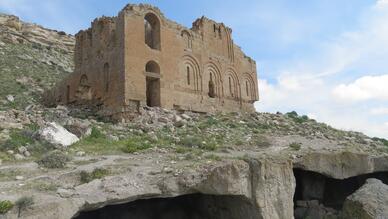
370	201
57	135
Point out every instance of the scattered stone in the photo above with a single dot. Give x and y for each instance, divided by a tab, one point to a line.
113	138
10	98
185	116
11	125
27	154
163	120
168	170
80	128
10	152
22	149
19	178
80	154
64	193
19	157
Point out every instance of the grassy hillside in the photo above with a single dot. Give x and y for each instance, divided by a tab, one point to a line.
27	69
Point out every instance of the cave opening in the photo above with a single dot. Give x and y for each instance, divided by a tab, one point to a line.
319	196
193	206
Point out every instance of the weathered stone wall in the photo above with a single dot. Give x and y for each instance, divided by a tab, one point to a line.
198	69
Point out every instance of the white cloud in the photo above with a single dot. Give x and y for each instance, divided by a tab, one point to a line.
364	88
379	111
313	85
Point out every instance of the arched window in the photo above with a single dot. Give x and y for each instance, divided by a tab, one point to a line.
152	31
83	81
106	76
230	87
212	91
247	88
188	74
187	38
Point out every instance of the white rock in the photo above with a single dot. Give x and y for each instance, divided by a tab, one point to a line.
19	177
168	170
10	98
27	154
10	152
80	153
22	149
57	135
185	116
19	157
113	138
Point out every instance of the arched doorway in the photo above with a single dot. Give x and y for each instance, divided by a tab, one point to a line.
152	71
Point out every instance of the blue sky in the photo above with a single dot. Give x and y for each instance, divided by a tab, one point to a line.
327	59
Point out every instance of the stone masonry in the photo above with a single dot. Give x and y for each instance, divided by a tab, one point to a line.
140	58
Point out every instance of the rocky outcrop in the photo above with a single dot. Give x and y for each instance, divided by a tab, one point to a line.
263	184
13	30
369	202
342	165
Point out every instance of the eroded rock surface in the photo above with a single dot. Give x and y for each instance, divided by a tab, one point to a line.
369	202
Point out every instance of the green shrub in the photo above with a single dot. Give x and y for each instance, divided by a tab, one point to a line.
97	173
54	159
23	203
382	140
295	146
17	139
192	141
5	206
298	119
96	133
136	143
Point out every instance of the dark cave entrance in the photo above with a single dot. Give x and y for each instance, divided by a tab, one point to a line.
194	206
317	195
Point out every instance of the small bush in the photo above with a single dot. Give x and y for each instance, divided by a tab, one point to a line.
136	143
17	139
192	141
298	119
23	203
55	159
96	134
98	173
382	140
295	146
5	206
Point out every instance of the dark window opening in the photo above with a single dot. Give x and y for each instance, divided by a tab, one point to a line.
106	76
247	88
230	87
153	84
188	75
212	89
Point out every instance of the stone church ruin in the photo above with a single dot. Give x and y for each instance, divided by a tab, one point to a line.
140	58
